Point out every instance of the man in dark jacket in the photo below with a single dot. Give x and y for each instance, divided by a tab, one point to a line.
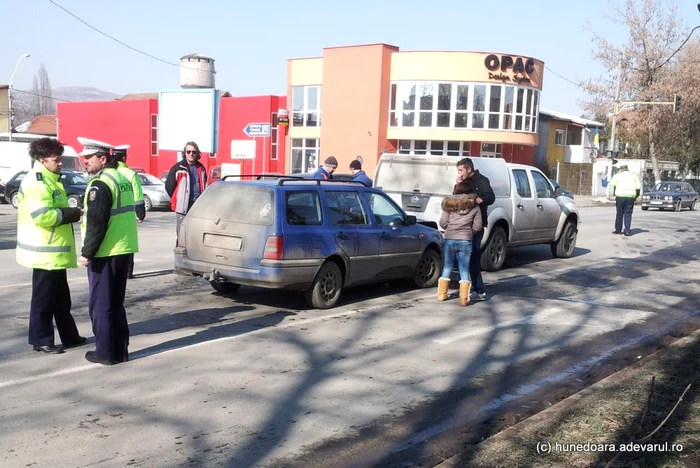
484	198
358	174
186	181
326	170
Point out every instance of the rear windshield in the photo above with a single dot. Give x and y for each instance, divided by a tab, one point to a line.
236	203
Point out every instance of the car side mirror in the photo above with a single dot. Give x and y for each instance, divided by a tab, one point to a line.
410	220
558	192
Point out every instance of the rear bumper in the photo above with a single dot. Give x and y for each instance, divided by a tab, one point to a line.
276	274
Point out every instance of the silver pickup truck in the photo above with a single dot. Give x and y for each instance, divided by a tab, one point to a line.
527	210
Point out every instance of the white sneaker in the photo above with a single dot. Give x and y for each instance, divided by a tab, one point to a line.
475	296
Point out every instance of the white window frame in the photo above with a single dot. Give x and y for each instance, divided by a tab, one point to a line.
396	114
464	148
498	153
156	130
303	148
559	136
274	143
305	111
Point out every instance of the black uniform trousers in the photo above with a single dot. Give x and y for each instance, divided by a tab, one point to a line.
624	207
51	301
107	278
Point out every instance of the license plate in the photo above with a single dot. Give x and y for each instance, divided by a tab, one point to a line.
657	203
223	242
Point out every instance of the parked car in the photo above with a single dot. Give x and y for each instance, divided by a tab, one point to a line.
671	195
138	170
3	200
164	177
527	209
314	236
154	194
75	184
560	190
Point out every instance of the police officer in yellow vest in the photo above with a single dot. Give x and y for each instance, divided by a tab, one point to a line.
109	241
46	243
626	189
120	155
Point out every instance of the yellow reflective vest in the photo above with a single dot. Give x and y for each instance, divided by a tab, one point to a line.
122	237
626	184
133	177
42	241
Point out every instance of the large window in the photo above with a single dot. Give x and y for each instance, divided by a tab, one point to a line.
274	137
306	106
154	134
463	105
436	147
491	150
304	154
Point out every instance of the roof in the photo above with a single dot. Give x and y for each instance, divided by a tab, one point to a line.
135	96
196	56
570	118
4	86
43	125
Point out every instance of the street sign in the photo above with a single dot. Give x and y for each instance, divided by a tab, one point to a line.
257	130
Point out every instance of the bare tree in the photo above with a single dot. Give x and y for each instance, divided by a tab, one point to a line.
41	100
654	34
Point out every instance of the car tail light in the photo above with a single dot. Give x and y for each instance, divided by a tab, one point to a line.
274	248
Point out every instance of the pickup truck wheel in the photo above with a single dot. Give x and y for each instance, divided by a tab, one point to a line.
224	287
428	270
326	288
14	200
494	255
565	246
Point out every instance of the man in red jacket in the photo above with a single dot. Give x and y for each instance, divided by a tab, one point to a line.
186	181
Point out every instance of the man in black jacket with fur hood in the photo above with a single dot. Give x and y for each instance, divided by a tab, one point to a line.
485	197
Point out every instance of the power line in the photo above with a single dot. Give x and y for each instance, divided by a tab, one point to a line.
118	41
585	88
15	90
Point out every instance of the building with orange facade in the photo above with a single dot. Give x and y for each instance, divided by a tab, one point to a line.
370	99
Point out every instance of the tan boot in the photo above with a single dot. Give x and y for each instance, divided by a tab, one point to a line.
464	290
443	286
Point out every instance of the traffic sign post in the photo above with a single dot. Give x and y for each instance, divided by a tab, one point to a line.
254	130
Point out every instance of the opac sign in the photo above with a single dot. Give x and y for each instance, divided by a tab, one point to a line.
506	64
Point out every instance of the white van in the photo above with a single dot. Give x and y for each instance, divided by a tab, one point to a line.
14	155
527	210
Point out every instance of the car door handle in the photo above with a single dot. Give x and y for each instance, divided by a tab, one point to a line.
341	235
384	235
539	205
520	205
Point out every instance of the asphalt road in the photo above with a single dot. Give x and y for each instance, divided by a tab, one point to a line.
257	379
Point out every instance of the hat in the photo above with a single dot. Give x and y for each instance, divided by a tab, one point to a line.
355	164
331	162
91	147
120	151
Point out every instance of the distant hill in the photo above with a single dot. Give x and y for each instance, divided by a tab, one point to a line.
83	93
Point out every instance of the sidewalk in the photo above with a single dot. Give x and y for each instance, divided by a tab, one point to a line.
584	201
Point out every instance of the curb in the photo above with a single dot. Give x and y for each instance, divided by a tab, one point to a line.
555	410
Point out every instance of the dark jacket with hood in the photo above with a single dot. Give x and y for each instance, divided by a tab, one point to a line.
483	190
461	218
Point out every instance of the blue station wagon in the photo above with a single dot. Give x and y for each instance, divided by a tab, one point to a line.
308	235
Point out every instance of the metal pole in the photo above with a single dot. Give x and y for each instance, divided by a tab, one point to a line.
9	93
558	170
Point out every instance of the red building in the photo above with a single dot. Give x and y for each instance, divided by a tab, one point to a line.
134	122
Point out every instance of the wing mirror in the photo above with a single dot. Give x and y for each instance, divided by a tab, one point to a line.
558	192
410	220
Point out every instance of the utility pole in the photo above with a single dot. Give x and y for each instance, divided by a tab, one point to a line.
615	107
9	93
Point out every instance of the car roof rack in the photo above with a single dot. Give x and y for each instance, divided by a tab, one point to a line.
282	178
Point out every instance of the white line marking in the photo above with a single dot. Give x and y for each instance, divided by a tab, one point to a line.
74	280
70	370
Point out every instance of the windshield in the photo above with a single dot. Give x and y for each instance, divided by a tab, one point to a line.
73	179
667	187
72	163
235	203
148	179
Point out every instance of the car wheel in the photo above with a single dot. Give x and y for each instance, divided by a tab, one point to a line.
326	288
494	255
428	269
565	246
73	201
694	205
224	287
644	208
148	206
678	206
14	200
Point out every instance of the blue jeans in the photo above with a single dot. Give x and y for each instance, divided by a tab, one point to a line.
475	265
462	249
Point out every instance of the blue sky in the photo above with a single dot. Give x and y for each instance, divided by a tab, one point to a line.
251	41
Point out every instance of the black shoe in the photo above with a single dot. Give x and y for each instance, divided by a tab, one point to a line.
627	234
617	233
48	349
92	357
81	340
